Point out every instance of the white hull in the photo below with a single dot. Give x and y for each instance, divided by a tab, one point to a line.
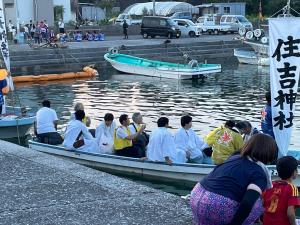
250	57
259	48
187	173
12	128
163	72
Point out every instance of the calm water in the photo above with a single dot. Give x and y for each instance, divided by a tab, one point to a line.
236	93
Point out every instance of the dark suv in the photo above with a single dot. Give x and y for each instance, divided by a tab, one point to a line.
159	26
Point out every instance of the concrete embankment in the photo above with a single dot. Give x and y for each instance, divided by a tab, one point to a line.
26	61
41	189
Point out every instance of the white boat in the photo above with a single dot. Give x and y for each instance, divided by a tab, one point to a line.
134	65
13	126
185	173
251	57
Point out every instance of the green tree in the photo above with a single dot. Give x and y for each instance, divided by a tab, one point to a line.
58	12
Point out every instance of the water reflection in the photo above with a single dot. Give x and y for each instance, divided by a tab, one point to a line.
237	92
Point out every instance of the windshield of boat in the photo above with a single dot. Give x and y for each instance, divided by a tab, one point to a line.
171	22
242	19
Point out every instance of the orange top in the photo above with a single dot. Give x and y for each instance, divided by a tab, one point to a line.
3	74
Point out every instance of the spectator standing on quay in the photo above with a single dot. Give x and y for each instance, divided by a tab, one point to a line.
61	26
125	29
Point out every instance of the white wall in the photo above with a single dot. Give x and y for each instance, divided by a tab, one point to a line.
67	6
25	10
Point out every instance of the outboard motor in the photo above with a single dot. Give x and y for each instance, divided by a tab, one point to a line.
193	63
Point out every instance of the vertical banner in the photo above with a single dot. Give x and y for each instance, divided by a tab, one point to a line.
4	44
284	38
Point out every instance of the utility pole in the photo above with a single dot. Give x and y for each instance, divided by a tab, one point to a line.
153	7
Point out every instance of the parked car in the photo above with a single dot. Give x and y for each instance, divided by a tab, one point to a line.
159	26
211	25
182	15
188	28
236	22
129	20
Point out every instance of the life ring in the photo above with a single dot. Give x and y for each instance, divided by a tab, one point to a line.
258	33
113	51
242	31
249	35
264	40
193	63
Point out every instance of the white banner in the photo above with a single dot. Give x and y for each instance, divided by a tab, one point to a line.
284	38
4	44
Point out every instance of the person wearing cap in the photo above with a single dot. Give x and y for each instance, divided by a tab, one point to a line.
4	88
46	125
224	141
162	147
282	199
245	128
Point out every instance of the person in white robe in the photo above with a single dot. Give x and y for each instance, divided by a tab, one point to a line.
187	140
162	147
105	134
76	130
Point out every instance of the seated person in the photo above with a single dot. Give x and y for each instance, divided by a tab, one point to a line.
187	140
90	36
245	128
105	134
52	36
78	36
142	139
46	125
79	106
224	141
96	36
76	130
101	36
123	140
161	147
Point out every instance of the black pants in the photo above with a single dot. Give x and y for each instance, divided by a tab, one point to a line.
125	32
132	151
52	138
0	109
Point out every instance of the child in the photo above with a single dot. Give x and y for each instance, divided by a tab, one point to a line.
281	200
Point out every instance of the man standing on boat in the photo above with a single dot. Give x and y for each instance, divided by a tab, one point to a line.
4	88
123	139
187	140
161	147
125	29
46	125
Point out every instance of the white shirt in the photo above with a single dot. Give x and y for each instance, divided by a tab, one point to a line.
73	129
45	118
132	129
61	24
102	129
188	140
121	132
161	145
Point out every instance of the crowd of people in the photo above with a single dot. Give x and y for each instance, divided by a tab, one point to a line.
238	191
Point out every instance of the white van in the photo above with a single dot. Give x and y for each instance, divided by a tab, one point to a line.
235	22
188	28
129	20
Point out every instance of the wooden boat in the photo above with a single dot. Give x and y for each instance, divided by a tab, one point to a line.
185	173
251	57
13	126
146	67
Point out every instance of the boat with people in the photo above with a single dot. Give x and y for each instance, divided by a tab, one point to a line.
154	68
186	173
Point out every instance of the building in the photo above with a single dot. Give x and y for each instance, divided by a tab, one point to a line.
233	8
22	11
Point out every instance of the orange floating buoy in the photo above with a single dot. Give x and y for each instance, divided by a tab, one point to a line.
86	73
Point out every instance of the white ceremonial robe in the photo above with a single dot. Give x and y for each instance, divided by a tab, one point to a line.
161	145
73	129
188	140
105	137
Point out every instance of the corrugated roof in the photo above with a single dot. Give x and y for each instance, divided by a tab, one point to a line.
161	8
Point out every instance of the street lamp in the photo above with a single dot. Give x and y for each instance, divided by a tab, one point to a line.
153	7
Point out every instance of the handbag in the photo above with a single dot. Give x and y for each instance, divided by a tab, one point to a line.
78	142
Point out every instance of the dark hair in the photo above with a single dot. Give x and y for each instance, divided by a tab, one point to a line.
243	125
79	115
46	103
286	166
185	120
108	117
230	124
261	147
162	121
123	118
268	97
